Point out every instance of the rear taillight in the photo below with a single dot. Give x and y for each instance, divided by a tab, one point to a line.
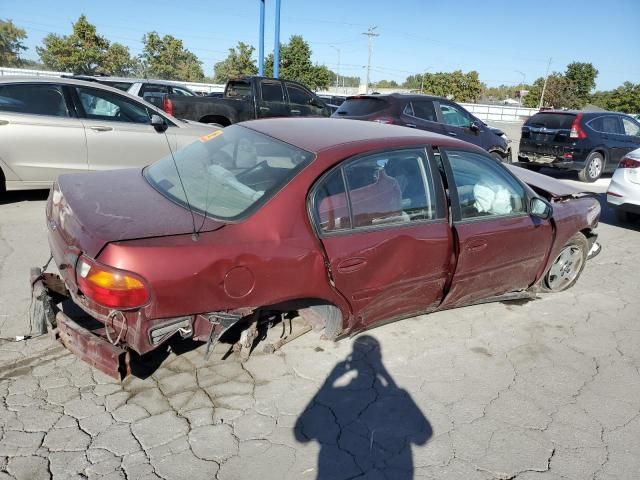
110	287
629	163
576	129
383	120
167	105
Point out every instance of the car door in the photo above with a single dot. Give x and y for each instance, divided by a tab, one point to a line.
457	122
613	136
40	137
118	130
272	102
501	248
631	134
421	114
303	103
388	244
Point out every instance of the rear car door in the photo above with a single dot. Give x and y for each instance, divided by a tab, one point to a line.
388	244
272	102
421	114
612	134
118	130
40	137
501	247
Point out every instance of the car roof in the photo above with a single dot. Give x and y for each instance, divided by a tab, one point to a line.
398	96
317	134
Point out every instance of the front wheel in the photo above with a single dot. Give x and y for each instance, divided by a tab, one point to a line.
568	265
592	168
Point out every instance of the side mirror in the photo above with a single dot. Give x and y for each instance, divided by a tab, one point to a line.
158	123
474	127
315	102
538	207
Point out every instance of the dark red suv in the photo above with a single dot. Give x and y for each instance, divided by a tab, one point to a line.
434	114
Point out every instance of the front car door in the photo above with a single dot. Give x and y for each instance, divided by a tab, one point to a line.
118	129
631	134
40	136
501	247
457	122
388	244
303	103
272	101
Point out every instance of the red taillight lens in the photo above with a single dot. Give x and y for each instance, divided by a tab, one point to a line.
629	163
110	287
576	129
167	105
383	120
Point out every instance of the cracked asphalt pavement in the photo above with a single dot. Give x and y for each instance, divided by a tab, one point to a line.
548	389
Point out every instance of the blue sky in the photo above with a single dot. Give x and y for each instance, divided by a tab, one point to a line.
503	40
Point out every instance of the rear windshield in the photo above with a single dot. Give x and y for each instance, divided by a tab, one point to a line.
357	107
554	121
227	173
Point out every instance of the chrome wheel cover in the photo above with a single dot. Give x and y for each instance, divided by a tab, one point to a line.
565	268
595	167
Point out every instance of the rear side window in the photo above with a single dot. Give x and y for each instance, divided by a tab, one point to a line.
422	109
552	121
35	99
358	107
272	92
606	124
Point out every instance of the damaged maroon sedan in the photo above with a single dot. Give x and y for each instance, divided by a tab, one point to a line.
348	224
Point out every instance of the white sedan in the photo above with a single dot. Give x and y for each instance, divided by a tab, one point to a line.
624	190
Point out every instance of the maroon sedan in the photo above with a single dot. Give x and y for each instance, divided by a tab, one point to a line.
348	223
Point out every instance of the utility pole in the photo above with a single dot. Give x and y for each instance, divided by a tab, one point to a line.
338	72
370	33
520	90
544	87
276	48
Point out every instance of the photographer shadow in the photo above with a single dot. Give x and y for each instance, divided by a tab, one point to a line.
365	424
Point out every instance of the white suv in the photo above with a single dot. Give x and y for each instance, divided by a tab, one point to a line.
624	190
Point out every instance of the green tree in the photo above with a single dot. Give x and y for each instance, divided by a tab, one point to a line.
295	64
239	62
501	92
386	84
11	44
84	52
625	98
345	81
583	79
459	86
166	58
559	93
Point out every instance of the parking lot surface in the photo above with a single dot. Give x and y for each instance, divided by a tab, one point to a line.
547	389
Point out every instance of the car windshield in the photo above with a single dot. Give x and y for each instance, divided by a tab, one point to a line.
227	173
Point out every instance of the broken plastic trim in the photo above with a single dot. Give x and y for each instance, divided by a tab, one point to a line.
163	331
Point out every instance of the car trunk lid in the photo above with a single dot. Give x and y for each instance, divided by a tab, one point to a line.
93	209
544	184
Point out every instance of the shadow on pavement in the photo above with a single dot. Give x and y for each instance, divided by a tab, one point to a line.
365	424
23	196
609	217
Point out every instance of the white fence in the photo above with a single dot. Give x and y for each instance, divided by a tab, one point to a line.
504	113
195	86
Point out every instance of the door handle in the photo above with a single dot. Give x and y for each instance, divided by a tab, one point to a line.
4	122
453	134
297	112
264	109
351	265
101	128
410	125
477	246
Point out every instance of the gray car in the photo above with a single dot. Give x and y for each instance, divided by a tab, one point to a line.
55	125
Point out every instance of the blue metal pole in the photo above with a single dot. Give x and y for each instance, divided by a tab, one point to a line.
276	52
261	47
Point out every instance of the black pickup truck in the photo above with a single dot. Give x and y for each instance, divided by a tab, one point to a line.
247	98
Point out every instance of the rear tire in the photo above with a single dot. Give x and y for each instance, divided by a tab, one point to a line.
593	168
567	266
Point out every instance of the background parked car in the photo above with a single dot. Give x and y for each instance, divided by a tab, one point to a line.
53	126
434	114
623	193
588	142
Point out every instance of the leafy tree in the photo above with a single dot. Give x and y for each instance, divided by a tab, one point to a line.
625	98
166	58
11	44
386	84
461	87
583	78
501	92
560	93
84	52
295	64
344	80
239	62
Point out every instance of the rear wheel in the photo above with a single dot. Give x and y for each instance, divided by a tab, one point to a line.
568	265
592	168
497	156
